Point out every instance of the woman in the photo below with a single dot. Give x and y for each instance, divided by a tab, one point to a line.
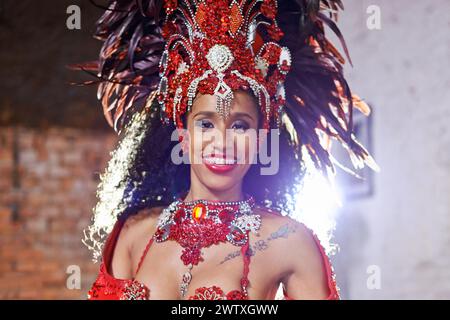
186	202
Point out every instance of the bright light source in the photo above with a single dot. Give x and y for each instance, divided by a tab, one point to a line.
317	204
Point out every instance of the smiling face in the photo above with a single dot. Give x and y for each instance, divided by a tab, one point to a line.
221	150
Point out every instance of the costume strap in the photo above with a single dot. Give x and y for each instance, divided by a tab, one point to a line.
147	247
111	242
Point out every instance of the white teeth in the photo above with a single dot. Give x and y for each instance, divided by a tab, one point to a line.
212	160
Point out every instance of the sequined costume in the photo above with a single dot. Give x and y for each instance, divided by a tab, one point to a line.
107	287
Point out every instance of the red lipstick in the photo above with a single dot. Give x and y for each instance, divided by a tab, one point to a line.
219	163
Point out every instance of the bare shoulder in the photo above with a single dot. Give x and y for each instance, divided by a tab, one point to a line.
294	241
275	225
132	238
141	219
296	254
140	224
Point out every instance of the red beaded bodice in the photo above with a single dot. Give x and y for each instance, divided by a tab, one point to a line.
107	287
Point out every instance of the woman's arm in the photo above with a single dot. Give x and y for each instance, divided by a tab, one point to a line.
311	275
131	242
120	257
121	261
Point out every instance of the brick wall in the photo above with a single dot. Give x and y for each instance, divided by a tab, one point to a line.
57	174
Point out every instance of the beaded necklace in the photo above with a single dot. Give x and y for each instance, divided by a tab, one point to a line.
200	223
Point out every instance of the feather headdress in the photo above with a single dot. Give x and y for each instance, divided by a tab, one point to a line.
157	55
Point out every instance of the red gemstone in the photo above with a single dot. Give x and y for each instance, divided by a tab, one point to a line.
199	211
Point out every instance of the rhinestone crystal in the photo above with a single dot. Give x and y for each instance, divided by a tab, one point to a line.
199	211
219	57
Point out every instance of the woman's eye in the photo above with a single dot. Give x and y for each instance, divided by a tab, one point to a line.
240	126
204	124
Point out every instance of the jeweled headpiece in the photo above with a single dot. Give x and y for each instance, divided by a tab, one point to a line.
223	52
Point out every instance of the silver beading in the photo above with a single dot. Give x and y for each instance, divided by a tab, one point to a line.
244	220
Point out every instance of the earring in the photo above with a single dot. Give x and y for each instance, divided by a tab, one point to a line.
184	147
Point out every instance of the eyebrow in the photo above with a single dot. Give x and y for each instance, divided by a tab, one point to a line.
213	114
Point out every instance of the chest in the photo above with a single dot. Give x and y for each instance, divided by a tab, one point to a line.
222	265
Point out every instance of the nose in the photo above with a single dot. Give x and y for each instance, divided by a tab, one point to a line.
219	143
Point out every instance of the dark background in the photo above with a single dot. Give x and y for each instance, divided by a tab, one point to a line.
36	46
